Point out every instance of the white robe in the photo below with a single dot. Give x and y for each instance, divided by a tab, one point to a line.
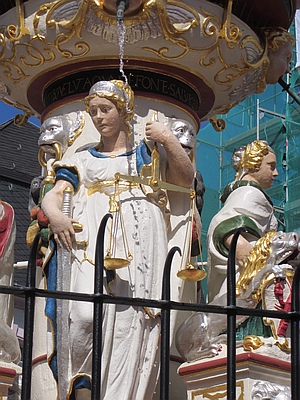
130	355
250	202
8	237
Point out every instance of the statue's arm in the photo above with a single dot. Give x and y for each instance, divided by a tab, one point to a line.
60	224
243	248
180	170
224	231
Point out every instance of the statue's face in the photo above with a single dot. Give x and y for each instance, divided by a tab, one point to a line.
185	133
267	172
279	63
54	130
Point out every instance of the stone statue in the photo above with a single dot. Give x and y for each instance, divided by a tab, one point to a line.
7	241
131	335
9	345
56	135
201	335
278	48
245	205
279	45
260	253
185	133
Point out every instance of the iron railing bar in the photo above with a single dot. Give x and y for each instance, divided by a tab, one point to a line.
231	317
30	292
29	321
165	327
295	332
98	311
151	303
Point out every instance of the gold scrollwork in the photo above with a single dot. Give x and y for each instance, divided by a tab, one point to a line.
13	32
12	67
252	342
19	120
228	34
218	124
172	31
283	346
72	26
219	392
39	50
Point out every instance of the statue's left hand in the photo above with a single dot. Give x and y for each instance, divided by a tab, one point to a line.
158	132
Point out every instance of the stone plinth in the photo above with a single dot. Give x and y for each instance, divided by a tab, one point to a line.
208	379
8	372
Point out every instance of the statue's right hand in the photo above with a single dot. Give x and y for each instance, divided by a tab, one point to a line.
63	231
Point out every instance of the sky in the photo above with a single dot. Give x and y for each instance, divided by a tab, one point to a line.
8	112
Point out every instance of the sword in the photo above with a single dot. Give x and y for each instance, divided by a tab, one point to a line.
62	306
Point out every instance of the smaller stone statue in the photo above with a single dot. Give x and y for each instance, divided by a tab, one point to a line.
185	133
9	345
56	134
7	241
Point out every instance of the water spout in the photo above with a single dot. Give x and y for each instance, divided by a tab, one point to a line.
122	6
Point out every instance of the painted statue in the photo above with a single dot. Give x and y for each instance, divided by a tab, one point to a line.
9	345
261	259
185	133
247	205
56	135
278	47
130	348
7	241
203	335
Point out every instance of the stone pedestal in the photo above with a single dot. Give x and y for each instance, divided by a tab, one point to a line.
207	379
8	372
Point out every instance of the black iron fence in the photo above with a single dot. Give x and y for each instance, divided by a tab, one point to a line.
30	292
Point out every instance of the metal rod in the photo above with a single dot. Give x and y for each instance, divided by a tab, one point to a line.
287	88
98	310
231	317
272	113
257	119
122	6
29	321
165	327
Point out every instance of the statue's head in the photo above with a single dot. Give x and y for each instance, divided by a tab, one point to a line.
55	130
185	133
279	44
59	130
256	161
56	134
254	153
118	92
